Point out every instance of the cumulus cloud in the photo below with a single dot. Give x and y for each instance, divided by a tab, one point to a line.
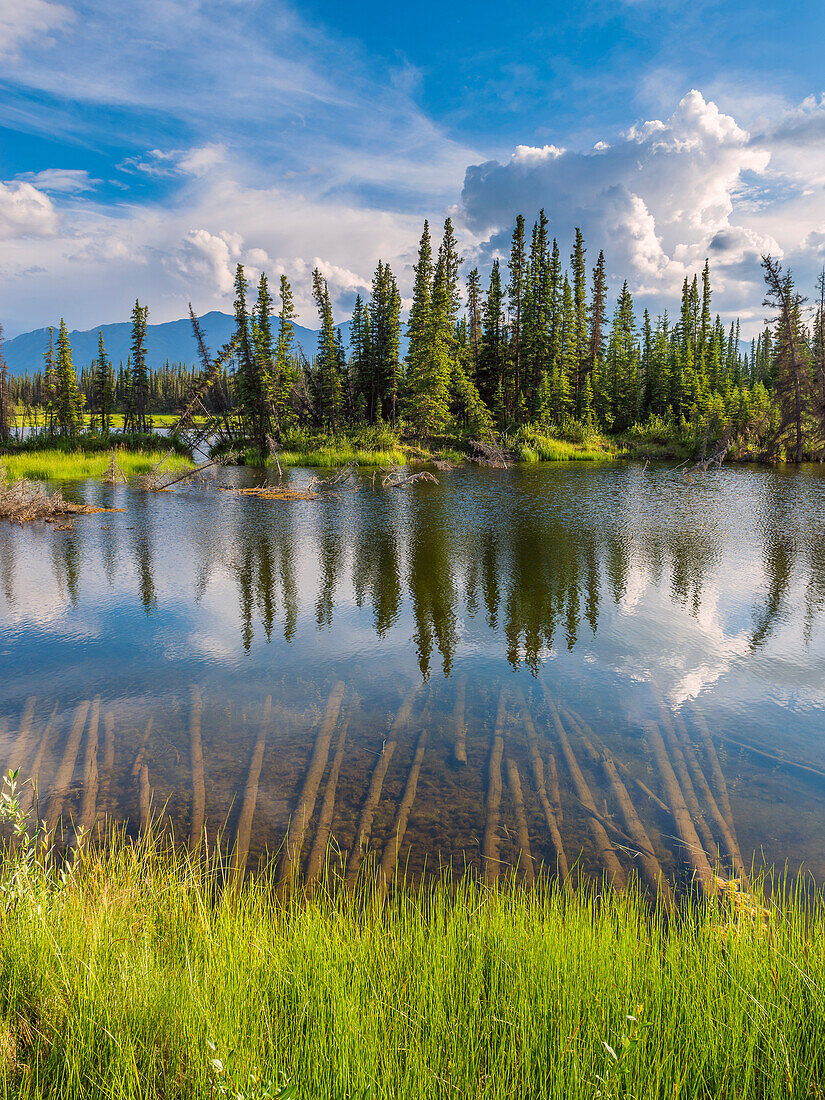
658	198
25	212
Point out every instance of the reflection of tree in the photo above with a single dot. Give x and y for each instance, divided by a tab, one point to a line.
779	547
142	549
8	542
330	556
67	563
375	568
432	589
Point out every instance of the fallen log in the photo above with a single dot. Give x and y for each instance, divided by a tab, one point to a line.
525	855
319	848
684	824
651	868
364	828
459	721
250	796
680	767
389	860
490	850
198	816
88	809
552	814
604	848
65	771
293	845
29	790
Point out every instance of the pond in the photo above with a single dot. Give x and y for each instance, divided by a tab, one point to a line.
511	668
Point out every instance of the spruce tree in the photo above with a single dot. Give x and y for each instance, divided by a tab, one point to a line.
474	318
492	357
135	417
517	266
580	340
49	384
329	363
6	409
286	375
102	386
68	404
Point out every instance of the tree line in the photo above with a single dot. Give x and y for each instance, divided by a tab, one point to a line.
537	346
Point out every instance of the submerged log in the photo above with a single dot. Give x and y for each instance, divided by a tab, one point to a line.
613	868
525	855
459	721
703	787
684	823
319	847
305	807
651	868
88	809
108	760
198	817
144	741
65	772
364	828
250	796
30	789
716	774
389	860
680	767
580	725
490	850
24	742
552	814
144	798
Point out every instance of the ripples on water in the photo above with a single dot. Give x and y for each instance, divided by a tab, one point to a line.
251	658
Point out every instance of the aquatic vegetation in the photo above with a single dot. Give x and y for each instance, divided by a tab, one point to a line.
530	444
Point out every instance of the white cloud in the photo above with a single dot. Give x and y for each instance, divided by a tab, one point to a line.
23	20
25	212
60	181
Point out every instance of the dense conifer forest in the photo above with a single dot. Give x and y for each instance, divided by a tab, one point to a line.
540	349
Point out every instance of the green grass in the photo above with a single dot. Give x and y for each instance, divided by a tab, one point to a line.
115	984
532	445
62	465
340	456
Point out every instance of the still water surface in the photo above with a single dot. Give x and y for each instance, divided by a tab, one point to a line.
320	669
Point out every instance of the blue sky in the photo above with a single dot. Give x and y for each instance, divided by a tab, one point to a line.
148	146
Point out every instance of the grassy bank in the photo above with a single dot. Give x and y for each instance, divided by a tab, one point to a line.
57	464
130	979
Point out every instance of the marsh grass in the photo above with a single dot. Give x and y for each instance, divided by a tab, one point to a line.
146	972
64	465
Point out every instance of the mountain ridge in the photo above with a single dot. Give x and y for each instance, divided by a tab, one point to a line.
172	340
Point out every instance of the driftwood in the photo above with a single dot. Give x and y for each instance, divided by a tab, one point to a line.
65	772
684	823
198	817
651	868
305	807
393	482
250	795
604	848
459	721
159	480
487	454
88	809
23	501
516	793
552	814
318	852
490	849
389	860
364	828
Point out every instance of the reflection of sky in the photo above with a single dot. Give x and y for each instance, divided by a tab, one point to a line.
157	598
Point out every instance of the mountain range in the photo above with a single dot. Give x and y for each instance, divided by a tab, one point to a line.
172	340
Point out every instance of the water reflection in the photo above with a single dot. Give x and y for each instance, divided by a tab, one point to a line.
614	588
